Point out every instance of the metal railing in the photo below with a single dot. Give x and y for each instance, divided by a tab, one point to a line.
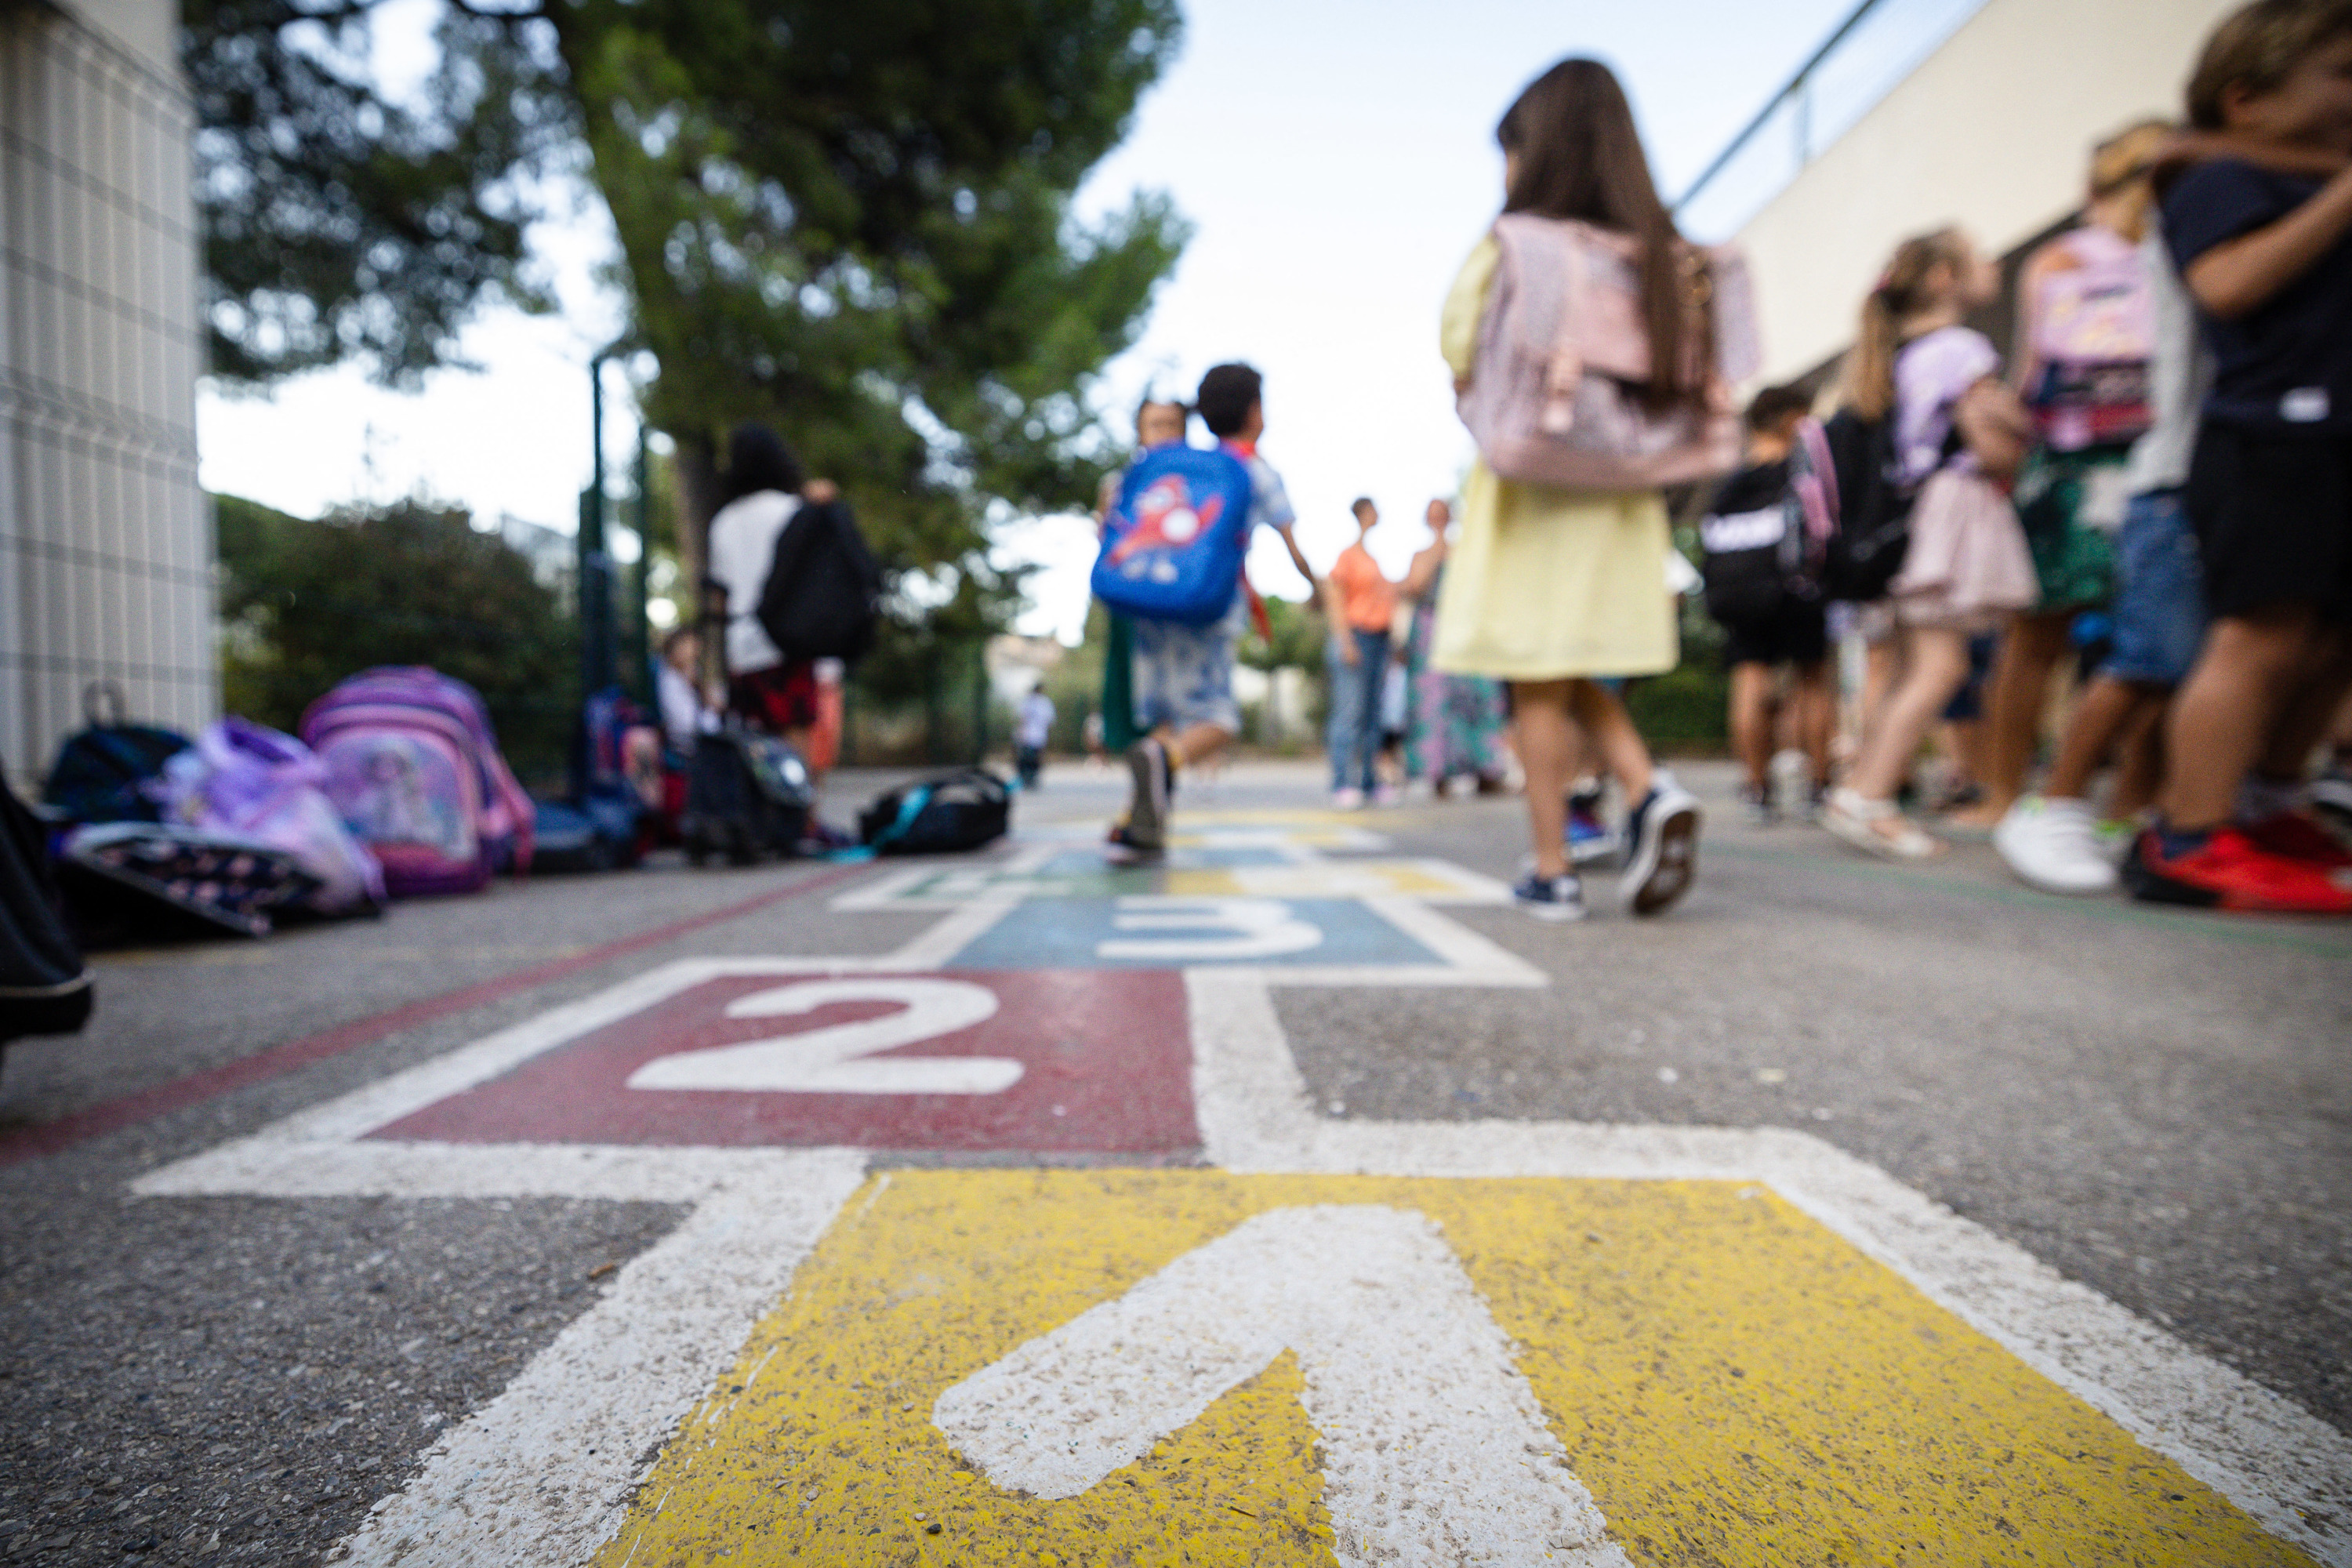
1878	44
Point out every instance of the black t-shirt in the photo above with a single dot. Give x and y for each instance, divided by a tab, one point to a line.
2286	367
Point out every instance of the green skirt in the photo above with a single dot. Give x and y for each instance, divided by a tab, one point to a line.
2074	560
1118	686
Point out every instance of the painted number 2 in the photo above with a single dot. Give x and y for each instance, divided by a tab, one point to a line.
844	1059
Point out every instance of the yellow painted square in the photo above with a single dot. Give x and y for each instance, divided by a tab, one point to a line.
1734	1383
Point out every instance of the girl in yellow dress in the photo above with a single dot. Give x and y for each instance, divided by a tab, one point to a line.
1552	590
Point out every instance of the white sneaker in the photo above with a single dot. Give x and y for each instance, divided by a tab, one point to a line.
1349	799
2054	845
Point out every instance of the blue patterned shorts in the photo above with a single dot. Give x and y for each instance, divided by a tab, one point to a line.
1184	674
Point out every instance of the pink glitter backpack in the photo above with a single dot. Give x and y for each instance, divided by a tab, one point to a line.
1563	352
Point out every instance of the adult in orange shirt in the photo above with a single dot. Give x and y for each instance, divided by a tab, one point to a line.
1358	662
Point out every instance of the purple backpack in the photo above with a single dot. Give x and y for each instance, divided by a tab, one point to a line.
413	766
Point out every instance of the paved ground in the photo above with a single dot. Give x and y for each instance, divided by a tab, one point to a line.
380	1243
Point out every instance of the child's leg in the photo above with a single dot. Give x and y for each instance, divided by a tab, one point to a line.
1751	720
1549	742
2141	747
1597	710
1936	660
1816	709
2222	719
1199	744
2099	719
2309	714
2029	651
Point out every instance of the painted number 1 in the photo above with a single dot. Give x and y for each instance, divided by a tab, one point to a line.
845	1058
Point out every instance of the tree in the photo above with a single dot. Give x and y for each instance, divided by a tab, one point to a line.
305	604
851	220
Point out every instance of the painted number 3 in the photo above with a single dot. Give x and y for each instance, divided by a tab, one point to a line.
845	1058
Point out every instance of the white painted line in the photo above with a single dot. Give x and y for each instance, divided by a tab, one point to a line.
842	1058
287	1168
1201	931
1434	1446
2283	1466
1455	942
543	1473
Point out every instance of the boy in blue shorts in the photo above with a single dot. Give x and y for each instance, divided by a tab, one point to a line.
1184	692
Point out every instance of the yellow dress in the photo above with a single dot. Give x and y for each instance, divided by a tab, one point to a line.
1544	583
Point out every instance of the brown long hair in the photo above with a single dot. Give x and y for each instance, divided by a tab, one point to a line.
1902	291
2122	166
1581	157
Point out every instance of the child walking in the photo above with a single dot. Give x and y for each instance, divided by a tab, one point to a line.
1183	674
1959	433
2267	254
1551	589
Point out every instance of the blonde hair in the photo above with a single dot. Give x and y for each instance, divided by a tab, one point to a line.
1901	292
2257	48
2120	169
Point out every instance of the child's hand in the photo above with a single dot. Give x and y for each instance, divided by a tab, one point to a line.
817	492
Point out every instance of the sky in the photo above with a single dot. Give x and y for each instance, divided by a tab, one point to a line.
1337	158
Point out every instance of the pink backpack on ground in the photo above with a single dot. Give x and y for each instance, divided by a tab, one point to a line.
1563	352
2094	330
413	766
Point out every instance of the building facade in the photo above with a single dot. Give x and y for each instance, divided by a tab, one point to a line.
105	539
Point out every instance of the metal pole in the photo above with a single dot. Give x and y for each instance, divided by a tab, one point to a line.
595	563
638	645
979	704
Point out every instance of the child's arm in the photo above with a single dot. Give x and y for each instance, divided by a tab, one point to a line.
2026	365
2240	276
1993	423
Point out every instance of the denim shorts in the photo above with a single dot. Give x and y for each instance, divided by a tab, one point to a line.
2159	604
1184	674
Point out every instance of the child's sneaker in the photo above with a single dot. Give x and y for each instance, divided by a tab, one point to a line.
2053	844
1556	899
1347	798
1755	805
2228	871
2331	795
1147	808
1387	794
1663	858
1586	836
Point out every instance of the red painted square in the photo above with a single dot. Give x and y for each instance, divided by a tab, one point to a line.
1104	1067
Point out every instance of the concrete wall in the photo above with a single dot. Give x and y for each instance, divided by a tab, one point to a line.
106	541
1993	132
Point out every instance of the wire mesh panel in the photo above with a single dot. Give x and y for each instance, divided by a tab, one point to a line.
106	548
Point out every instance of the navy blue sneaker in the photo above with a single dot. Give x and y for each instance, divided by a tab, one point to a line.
1664	831
1557	899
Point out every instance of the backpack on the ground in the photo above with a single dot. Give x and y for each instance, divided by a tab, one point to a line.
108	770
599	825
146	881
824	592
45	987
945	815
2095	333
1753	551
1564	353
414	767
1173	544
748	795
244	780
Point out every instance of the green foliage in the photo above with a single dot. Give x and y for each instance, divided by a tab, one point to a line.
1300	636
307	604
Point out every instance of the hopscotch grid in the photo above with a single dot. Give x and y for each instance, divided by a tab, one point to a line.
2270	1457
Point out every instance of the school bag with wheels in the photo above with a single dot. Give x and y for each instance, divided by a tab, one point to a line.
45	987
110	770
748	796
945	815
2094	335
413	765
824	592
1174	542
1563	355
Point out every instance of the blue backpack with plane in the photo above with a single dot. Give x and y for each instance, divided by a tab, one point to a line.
1172	546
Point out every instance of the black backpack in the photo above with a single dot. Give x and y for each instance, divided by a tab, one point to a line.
1753	542
45	987
942	816
823	590
101	771
1871	504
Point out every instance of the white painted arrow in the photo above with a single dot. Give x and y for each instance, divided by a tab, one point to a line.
1434	1448
841	1059
1221	929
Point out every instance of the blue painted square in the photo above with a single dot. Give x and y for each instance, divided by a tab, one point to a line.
1177	933
1183	858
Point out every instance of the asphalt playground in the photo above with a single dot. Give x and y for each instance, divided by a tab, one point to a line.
1297	1201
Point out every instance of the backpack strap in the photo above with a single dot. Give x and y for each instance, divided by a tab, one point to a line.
1565	370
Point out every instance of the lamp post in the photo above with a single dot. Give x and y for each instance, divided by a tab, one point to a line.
595	593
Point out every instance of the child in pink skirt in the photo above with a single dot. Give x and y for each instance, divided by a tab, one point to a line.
1959	435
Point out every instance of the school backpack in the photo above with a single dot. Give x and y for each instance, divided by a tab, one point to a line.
109	771
2094	331
748	795
824	592
1563	355
1173	544
414	767
263	787
45	987
945	815
1753	560
598	826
